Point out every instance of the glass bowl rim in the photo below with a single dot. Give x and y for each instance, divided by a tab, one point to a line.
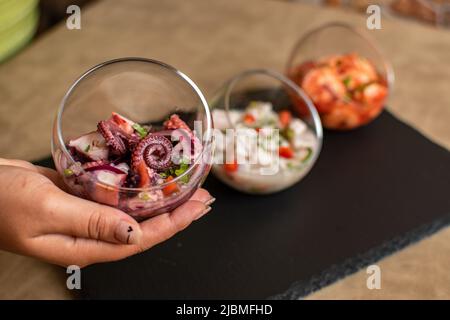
206	144
390	75
229	85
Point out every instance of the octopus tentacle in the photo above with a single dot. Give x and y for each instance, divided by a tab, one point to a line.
133	141
150	154
175	122
114	138
155	150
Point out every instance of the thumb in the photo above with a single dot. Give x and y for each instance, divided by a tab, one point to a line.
77	217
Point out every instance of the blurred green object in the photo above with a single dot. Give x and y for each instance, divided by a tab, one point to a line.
18	23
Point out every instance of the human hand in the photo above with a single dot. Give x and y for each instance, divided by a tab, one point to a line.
39	219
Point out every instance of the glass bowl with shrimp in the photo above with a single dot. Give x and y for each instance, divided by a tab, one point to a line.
343	72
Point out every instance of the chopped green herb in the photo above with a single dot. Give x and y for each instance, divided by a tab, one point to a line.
185	179
308	156
347	81
296	166
88	147
144	196
167	173
252	104
181	170
163	175
68	172
140	130
288	133
291	166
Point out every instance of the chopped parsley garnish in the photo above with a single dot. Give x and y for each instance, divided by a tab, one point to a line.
347	81
308	156
68	172
181	170
88	147
252	104
288	133
163	175
183	167
144	196
140	130
185	179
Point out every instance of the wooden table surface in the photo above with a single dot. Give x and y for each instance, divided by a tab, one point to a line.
211	41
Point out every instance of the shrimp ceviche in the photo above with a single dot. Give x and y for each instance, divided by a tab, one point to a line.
139	169
347	90
282	154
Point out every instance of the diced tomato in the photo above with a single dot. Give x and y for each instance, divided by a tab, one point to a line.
286	152
143	173
231	167
285	117
124	123
171	187
249	118
118	119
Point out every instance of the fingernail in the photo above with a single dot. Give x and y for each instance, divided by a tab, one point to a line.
207	209
126	233
210	202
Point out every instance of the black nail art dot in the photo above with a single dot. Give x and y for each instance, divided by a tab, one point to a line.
130	229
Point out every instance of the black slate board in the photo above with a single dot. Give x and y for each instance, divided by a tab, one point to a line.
372	191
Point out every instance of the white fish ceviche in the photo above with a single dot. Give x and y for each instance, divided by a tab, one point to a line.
267	151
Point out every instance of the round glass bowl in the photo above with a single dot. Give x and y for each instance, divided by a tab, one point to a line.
143	91
262	143
344	74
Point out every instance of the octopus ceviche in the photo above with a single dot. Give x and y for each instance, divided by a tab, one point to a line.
347	90
282	155
136	168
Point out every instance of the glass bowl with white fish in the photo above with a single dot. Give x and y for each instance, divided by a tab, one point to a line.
262	144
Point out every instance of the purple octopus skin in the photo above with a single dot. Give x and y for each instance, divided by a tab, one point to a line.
155	150
113	139
118	140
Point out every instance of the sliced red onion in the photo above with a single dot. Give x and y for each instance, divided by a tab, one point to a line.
106	167
122	166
